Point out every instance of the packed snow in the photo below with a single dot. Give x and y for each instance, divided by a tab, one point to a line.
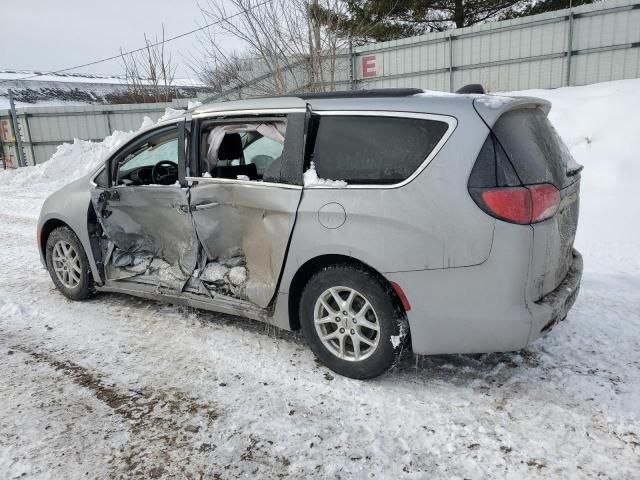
311	179
121	387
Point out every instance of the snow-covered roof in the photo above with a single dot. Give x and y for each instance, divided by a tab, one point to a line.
36	76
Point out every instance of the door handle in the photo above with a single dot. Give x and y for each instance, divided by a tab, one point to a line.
205	206
193	208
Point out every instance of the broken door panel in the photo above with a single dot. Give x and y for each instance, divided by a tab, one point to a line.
255	218
149	226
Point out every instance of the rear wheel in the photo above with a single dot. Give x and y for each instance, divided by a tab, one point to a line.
352	322
68	264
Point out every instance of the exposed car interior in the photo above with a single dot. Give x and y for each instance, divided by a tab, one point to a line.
244	152
154	163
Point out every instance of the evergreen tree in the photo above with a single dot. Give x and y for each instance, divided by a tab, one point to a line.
542	6
381	20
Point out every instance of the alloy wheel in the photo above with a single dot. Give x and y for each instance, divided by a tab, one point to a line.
346	323
66	264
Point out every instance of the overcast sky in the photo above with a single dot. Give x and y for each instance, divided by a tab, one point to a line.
54	34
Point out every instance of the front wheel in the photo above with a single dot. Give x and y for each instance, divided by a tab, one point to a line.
352	322
68	264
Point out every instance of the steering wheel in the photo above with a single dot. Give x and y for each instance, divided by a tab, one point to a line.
164	172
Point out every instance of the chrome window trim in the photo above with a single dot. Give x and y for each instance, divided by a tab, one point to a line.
255	111
452	122
248	183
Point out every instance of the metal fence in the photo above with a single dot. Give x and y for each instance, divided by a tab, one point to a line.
587	44
42	129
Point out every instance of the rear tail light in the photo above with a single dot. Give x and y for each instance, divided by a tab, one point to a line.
523	205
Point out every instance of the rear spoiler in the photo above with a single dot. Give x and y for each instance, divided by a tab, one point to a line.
491	107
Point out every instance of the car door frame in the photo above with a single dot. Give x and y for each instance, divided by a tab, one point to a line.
176	199
288	190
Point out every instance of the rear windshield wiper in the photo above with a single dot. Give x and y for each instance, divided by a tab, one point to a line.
573	168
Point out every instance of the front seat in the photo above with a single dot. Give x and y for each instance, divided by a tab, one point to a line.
231	149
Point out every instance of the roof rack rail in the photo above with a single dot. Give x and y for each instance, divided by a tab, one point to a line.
374	92
471	88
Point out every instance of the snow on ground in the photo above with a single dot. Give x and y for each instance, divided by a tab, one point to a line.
122	387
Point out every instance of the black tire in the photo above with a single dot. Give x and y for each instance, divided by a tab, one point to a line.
393	329
84	287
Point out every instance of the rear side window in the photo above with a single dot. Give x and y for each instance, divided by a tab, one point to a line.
492	167
373	150
535	149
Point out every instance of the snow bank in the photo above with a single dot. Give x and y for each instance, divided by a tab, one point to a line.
600	124
71	161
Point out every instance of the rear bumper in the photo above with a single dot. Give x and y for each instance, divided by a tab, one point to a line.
553	307
484	308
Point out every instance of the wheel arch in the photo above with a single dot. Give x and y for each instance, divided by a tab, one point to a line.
313	265
87	239
46	229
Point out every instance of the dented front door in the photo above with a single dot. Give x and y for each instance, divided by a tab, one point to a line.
148	224
148	231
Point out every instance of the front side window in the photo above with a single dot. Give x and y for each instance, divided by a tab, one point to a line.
373	149
153	163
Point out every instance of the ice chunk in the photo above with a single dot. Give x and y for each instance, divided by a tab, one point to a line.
214	273
242	177
237	276
311	179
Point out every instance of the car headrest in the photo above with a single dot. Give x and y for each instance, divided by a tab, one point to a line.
231	147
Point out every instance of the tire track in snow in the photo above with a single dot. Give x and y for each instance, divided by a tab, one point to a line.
160	420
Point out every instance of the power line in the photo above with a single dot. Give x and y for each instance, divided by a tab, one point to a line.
121	54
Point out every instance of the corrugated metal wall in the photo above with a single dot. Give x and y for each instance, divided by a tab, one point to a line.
44	128
589	44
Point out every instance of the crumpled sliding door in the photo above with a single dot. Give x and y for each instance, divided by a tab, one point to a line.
257	218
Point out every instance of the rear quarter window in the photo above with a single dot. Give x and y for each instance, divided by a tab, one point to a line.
373	149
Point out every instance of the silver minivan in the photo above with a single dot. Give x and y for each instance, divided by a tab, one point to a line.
371	220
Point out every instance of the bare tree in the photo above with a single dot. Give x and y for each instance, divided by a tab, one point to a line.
283	46
150	73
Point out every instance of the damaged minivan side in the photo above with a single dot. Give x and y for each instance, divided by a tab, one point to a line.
354	217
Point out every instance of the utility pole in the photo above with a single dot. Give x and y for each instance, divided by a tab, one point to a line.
567	81
16	131
352	65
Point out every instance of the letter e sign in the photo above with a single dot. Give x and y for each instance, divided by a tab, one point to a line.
369	66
